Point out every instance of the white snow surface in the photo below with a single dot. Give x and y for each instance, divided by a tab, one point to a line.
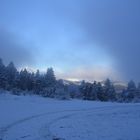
38	118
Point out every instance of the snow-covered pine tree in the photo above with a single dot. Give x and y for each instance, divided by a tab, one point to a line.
138	91
94	91
2	75
11	72
100	92
24	79
109	90
49	83
82	89
38	82
86	90
50	78
131	90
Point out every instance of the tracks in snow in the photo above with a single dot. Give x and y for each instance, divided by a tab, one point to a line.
44	131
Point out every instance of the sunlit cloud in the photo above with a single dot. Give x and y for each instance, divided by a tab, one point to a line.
89	74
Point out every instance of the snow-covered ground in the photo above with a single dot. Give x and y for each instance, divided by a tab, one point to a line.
37	118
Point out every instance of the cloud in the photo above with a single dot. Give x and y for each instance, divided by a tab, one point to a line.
114	25
89	74
111	24
11	49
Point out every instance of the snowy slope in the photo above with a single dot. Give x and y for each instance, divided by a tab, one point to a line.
37	118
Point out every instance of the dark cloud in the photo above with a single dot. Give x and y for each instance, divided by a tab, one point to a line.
11	49
114	25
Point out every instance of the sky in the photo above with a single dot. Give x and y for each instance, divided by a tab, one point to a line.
80	39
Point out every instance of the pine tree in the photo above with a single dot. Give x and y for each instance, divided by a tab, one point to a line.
2	75
100	92
24	79
131	90
109	91
11	72
82	87
38	83
138	91
86	90
17	81
50	79
30	81
94	91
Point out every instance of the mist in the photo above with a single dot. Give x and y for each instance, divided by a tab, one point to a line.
59	29
11	49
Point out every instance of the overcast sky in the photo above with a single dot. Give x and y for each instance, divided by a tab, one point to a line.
81	39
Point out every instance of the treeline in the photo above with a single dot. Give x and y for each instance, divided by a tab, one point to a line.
16	81
107	92
46	85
